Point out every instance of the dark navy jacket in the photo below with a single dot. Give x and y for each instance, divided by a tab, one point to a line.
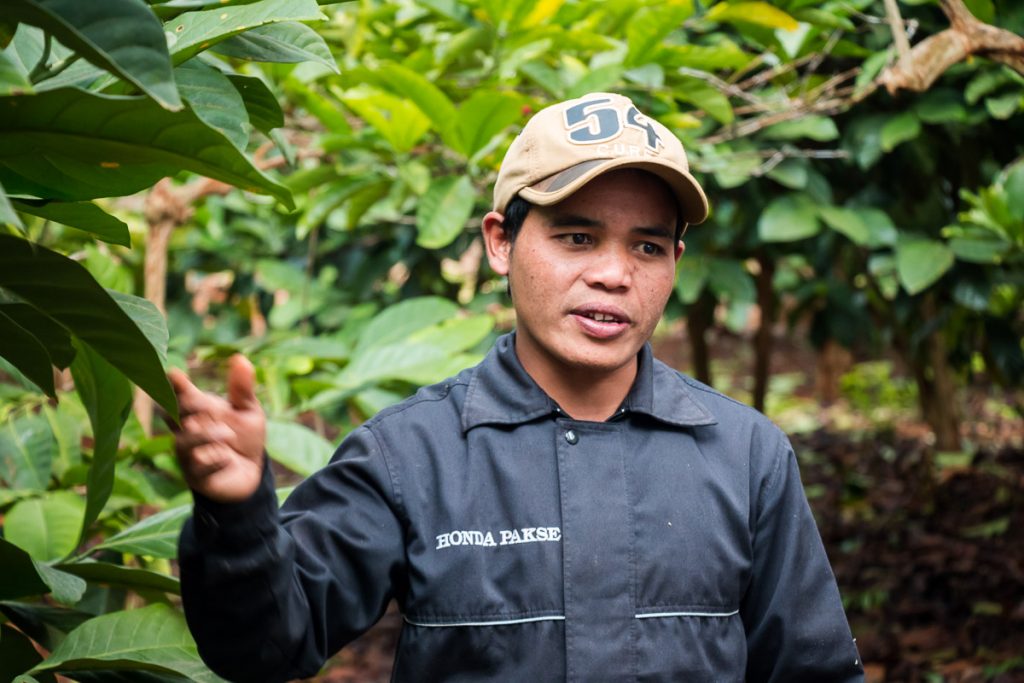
670	543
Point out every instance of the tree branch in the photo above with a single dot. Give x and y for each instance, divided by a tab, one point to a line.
919	68
899	35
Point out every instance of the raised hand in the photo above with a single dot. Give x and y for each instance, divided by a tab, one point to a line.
220	442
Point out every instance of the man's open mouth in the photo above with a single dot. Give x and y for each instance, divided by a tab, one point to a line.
605	315
602	317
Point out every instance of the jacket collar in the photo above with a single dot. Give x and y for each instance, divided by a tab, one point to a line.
501	392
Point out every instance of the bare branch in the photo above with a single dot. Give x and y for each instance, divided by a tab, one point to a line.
718	83
773	157
899	35
929	59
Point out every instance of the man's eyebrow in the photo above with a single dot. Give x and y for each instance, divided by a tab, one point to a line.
655	231
572	220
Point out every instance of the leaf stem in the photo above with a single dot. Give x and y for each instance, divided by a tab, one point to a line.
40	70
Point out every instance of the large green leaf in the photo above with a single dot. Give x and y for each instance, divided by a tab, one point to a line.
26	452
131	578
121	36
920	262
396	323
66	292
45	527
847	222
484	115
399	120
13	77
287	42
724	54
881	230
728	278
153	638
214	100
407	83
401	361
194	32
65	420
900	128
107	397
298	448
70	144
691	275
65	588
81	215
648	28
147	317
820	128
22	350
264	110
20	576
789	218
54	338
7	213
978	246
941	105
1004	106
1014	186
444	210
704	96
455	335
155	536
759	13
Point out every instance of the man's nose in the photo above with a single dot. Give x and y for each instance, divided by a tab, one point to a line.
611	268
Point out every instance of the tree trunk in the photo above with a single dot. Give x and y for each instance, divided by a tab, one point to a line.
833	362
164	212
763	341
699	318
936	385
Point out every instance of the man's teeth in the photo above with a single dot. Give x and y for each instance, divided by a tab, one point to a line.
602	318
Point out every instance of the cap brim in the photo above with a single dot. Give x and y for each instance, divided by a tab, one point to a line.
692	202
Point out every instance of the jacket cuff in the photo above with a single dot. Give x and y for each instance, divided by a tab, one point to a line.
229	524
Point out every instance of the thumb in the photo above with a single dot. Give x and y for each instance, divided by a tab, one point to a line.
241	382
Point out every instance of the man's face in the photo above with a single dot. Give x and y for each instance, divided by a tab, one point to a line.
590	276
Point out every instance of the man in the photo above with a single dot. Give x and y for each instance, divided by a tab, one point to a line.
570	509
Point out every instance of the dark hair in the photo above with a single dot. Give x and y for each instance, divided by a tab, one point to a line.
515	216
518	208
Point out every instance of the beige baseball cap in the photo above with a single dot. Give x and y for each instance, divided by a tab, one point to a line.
565	146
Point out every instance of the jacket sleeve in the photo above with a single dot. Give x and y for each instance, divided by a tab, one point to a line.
796	627
269	595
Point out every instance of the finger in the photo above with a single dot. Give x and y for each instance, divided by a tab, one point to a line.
190	398
241	383
181	384
204	461
184	442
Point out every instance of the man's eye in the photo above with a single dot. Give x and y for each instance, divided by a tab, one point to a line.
578	238
651	249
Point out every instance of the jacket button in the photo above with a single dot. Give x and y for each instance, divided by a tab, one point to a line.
571	437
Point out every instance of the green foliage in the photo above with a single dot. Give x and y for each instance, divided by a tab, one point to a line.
93	105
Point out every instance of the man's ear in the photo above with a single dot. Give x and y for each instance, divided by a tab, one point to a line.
680	248
496	242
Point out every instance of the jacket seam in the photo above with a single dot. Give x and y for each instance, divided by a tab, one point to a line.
396	488
487	615
772	481
686	607
414	401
